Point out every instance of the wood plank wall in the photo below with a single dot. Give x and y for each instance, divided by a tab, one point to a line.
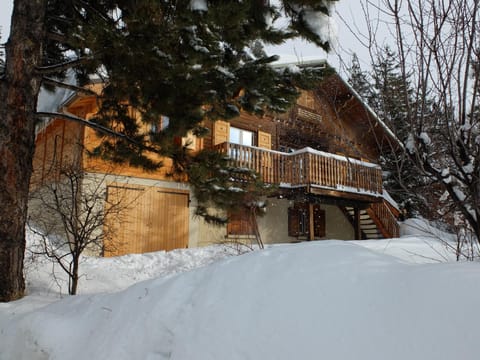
149	219
58	145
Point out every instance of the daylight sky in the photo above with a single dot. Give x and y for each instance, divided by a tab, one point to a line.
347	12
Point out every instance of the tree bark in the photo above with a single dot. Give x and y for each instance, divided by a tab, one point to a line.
18	101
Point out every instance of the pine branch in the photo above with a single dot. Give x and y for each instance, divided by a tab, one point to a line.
61	84
56	37
86	4
52	69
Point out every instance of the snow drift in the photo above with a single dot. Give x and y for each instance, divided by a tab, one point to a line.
322	300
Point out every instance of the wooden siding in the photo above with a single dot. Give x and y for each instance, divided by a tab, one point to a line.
320	122
308	167
58	146
94	164
152	219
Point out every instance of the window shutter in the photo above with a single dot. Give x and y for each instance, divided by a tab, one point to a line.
319	221
221	132
293	222
264	140
306	99
299	220
239	223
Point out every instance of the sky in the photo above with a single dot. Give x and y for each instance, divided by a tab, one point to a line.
5	14
347	12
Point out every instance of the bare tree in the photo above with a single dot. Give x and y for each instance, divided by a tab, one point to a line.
69	216
438	48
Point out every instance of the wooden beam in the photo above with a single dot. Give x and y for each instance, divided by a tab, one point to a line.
356	224
345	195
311	232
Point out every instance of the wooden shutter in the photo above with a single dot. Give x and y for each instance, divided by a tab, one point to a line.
221	132
264	140
299	221
306	99
318	221
239	223
293	222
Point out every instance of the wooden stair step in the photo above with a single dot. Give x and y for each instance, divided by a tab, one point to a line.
369	226
370	231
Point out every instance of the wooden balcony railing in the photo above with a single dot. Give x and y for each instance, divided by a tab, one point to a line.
386	220
308	167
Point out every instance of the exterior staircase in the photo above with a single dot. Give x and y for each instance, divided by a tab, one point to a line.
376	222
368	226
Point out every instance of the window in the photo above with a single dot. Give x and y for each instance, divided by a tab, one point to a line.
239	223
190	141
161	125
299	220
240	136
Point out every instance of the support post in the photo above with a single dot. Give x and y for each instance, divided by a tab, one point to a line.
311	232
356	223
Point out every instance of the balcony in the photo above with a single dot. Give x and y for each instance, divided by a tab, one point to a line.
319	172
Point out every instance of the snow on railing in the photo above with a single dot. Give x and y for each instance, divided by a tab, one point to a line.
308	167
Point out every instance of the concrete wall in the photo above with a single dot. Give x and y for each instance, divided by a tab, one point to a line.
273	225
338	226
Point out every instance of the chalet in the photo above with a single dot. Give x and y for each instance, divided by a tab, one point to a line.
322	156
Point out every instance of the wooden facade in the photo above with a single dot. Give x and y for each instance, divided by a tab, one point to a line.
152	219
323	151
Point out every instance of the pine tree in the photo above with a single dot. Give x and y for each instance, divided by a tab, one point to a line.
359	80
188	60
437	49
389	94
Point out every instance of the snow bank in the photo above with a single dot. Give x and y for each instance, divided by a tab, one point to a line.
329	299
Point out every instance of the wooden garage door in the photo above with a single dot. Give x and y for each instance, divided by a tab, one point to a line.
147	219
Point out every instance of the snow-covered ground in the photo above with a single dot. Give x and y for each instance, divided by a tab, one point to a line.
400	298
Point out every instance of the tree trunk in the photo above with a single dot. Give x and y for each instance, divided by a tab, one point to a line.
18	100
74	275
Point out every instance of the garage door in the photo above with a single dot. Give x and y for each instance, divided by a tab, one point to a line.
142	219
